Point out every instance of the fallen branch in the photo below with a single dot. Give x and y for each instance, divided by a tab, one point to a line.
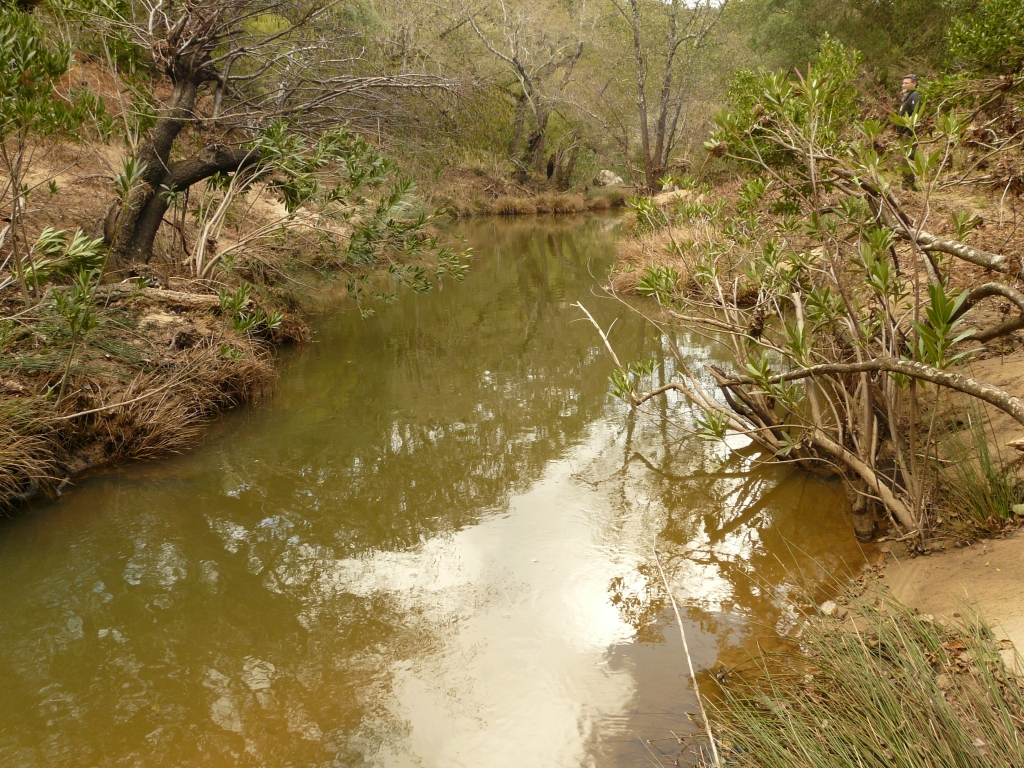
121	292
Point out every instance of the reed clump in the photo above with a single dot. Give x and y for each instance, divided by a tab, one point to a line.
887	688
980	486
27	443
607	197
166	413
507	205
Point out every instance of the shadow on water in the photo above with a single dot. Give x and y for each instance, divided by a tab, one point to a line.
432	546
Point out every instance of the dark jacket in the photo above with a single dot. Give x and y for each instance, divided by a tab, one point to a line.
909	106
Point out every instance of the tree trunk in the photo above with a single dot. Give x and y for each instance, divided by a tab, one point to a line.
515	144
641	92
154	153
179	177
563	176
537	141
865	521
142	213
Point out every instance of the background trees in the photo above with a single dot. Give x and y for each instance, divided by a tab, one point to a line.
665	39
526	96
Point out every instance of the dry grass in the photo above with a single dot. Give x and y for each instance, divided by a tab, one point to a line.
507	205
27	449
608	197
215	375
649	251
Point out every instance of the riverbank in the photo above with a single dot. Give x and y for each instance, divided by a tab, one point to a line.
986	575
158	364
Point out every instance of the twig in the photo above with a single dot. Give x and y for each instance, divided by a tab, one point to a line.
152	392
604	336
686	649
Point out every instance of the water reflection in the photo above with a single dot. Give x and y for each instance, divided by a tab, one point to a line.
432	547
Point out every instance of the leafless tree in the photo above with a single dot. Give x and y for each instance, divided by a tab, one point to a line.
541	52
686	30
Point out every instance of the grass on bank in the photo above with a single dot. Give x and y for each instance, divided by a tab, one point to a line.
892	688
126	392
980	485
545	202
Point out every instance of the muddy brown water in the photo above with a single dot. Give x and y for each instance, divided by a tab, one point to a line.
431	547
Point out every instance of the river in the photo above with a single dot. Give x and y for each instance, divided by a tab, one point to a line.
431	546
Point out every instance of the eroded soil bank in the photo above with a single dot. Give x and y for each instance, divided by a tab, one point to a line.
158	364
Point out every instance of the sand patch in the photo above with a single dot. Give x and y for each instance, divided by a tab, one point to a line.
988	575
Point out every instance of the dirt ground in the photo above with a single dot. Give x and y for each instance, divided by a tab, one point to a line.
987	575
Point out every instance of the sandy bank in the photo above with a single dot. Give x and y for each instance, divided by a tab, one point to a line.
987	575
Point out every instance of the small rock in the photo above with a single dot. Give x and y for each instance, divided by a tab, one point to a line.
159	320
607	179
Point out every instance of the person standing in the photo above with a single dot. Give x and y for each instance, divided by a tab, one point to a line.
908	141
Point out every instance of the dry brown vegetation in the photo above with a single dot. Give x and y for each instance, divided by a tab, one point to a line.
153	373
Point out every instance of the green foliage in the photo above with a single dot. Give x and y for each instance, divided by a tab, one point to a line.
819	106
130	174
659	281
291	165
963	223
939	333
31	110
751	194
626	381
53	255
230	352
117	43
712	425
233	303
76	307
649	217
29	69
873	256
991	39
790	33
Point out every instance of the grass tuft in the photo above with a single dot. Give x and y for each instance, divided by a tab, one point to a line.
507	205
26	449
979	483
608	197
894	689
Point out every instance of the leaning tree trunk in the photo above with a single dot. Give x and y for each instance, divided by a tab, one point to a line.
154	154
143	212
535	147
